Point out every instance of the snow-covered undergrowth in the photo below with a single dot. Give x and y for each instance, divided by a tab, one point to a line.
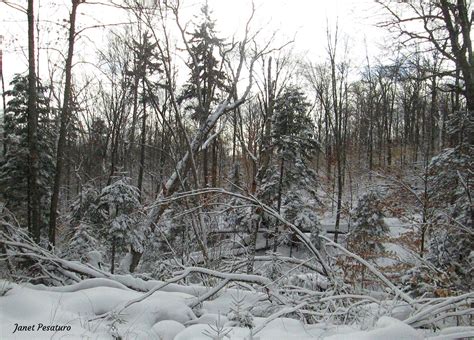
83	301
163	315
77	312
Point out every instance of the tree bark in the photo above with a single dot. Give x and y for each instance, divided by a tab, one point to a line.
339	198
280	188
131	147
142	148
33	156
4	102
266	149
65	115
215	159
112	256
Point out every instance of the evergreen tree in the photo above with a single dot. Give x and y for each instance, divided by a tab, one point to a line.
106	221
239	314
366	236
82	243
273	269
14	164
146	65
295	146
176	231
290	183
451	242
83	213
368	227
450	254
95	149
118	206
206	83
84	207
299	208
206	77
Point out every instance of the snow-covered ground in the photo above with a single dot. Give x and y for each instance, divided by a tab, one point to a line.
164	315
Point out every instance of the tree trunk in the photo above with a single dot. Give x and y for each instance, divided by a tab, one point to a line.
142	150
4	102
205	167
112	256
339	199
253	244
462	52
266	149
214	163
280	188
65	113
131	148
33	156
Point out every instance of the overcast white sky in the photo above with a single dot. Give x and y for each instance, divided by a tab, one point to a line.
306	20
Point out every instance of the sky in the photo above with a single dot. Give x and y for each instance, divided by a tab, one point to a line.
304	21
307	20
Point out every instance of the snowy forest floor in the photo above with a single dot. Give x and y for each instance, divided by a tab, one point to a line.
166	315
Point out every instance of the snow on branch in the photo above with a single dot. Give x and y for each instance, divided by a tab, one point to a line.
227	277
420	318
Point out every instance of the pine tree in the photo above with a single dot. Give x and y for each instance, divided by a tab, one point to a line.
118	206
295	146
451	241
14	164
146	65
299	208
273	269
84	206
239	314
366	236
82	243
449	179
290	182
96	146
206	83
82	215
368	227
107	221
206	77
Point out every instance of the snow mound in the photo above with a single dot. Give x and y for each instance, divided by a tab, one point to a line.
386	328
167	329
209	319
79	308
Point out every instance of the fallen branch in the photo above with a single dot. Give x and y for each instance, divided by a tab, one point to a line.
438	308
276	315
376	272
210	293
227	277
